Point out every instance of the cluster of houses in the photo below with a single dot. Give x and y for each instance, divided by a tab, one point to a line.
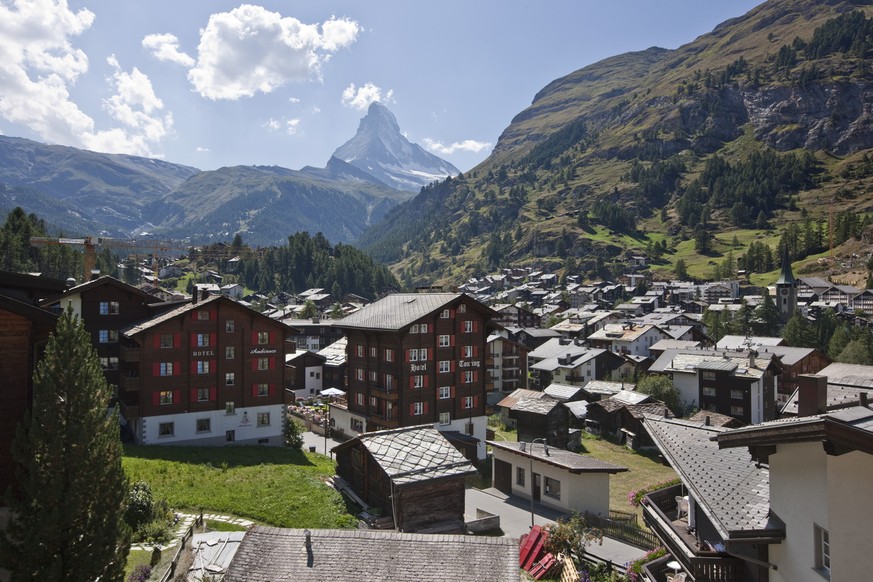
772	443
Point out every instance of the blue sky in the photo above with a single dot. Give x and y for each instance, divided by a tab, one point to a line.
218	83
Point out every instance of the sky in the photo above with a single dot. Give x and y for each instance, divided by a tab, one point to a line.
213	83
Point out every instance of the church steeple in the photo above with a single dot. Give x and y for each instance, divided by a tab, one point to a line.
786	289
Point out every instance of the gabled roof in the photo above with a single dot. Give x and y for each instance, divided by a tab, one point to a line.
728	487
606	387
100	282
335	353
399	310
268	554
543	405
563	391
838	396
571	461
732	342
848	374
413	454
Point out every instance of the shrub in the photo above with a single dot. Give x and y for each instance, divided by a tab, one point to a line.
293	434
635	568
140	574
635	496
140	505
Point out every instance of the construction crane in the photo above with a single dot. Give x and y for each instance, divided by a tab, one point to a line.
90	244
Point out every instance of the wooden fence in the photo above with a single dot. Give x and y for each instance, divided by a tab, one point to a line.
623	530
171	571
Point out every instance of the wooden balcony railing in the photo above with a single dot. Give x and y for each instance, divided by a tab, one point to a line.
130	383
129	354
389	394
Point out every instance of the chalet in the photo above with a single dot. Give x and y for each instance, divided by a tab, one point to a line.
313	334
232	290
208	372
305	375
355	555
532	337
542	418
412	474
716	524
506	404
558	479
863	301
507	366
628	338
334	368
417	358
570	362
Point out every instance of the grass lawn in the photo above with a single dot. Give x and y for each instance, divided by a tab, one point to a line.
135	558
270	485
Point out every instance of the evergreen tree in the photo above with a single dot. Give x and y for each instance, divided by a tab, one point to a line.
67	518
681	270
798	332
767	317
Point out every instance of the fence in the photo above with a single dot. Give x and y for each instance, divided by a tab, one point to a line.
171	571
621	529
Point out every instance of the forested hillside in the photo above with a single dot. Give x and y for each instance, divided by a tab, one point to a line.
708	158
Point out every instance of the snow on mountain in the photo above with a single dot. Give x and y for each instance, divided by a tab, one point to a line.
379	149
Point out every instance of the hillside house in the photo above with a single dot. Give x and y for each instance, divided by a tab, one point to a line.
413	474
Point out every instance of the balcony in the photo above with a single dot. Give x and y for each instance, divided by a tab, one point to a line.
130	383
389	394
385	420
660	512
131	354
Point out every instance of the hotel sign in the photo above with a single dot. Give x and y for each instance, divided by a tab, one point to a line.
263	351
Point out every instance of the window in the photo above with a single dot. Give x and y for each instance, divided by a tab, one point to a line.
109	308
462	308
202	366
230	436
229	408
166	340
413	329
468	402
413	355
445	418
356	425
230	326
738	410
468	326
359	398
553	488
263	337
166	368
737	394
359	374
422	354
202	340
444	341
229	379
263	390
444	314
389	355
108	336
445	367
445	392
389	381
110	363
263	364
203	395
708	375
360	351
166	397
373	376
468	351
418	408
468	377
373	351
822	550
709	391
423	328
373	402
519	476
418	381
202	315
165	429
263	419
229	353
203	425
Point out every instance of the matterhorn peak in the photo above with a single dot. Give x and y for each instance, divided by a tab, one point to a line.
381	150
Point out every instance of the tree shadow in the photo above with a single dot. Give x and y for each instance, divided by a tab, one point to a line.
221	457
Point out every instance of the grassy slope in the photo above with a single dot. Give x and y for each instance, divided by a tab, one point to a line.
270	485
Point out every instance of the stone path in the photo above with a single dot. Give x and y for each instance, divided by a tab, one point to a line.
185	521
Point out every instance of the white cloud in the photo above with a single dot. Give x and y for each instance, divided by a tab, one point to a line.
273	124
468	145
166	48
139	112
293	100
291	126
202	150
250	50
361	97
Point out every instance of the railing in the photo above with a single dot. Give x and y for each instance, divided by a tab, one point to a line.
130	382
624	531
131	354
392	395
171	571
391	420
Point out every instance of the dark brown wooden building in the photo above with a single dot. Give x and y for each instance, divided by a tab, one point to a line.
413	474
418	358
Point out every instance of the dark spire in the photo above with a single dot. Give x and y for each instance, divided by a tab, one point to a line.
786	277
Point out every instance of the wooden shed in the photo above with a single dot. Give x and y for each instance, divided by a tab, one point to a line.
413	474
544	417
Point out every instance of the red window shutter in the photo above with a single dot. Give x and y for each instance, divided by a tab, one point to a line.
452	340
475	376
452	313
475	326
475	402
254	364
426	381
157	341
213	394
213	340
254	390
213	367
193	394
177	368
452	391
272	390
156	369
213	314
193	340
272	363
452	365
193	367
475	351
177	340
412	382
424	408
407	355
255	338
272	337
429	354
156	398
194	315
177	396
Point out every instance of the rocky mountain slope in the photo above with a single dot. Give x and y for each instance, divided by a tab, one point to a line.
759	127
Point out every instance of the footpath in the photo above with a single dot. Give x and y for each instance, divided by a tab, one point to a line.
185	521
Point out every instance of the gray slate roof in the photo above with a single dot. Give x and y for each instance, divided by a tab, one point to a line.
574	462
268	554
730	489
397	310
563	391
414	454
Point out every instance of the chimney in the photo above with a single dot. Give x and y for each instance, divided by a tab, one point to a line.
308	542
752	354
706	421
862	399
196	291
812	394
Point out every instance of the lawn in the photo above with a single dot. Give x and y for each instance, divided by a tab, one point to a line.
268	485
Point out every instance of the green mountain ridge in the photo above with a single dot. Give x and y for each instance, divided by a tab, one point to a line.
691	154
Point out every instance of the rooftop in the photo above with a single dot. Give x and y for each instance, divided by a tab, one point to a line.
398	310
573	462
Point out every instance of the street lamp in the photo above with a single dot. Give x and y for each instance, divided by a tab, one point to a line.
530	456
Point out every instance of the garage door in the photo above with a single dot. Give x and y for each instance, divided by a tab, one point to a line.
503	476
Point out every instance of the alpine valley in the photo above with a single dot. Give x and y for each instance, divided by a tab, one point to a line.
753	139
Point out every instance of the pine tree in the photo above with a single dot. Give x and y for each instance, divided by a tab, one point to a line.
67	518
